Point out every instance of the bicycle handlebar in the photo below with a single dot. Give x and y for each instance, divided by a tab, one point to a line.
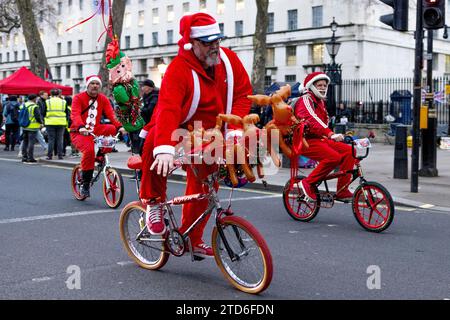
349	140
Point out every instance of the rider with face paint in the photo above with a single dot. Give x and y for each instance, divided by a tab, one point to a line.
324	145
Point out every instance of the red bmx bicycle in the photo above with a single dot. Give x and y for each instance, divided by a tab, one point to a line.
112	188
372	204
239	249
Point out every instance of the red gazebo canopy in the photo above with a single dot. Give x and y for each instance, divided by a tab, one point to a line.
23	82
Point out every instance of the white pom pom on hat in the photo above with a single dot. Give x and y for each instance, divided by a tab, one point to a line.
187	46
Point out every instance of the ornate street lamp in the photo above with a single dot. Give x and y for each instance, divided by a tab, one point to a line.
333	70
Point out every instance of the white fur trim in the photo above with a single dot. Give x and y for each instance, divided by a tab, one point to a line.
93	79
310	109
230	83
203	31
164	149
317	78
195	97
187	46
143	134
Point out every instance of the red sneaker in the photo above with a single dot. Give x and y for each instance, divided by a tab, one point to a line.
345	195
308	191
202	250
154	218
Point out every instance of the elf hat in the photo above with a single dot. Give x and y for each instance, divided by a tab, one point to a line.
94	77
199	26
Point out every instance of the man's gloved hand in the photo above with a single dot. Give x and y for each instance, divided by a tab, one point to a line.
83	131
164	163
337	137
123	131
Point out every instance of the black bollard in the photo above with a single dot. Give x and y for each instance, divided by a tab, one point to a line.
401	153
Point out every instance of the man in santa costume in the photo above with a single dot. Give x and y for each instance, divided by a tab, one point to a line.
87	110
201	82
324	145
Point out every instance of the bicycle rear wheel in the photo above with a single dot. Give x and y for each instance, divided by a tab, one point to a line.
114	194
147	250
76	181
296	205
373	206
252	270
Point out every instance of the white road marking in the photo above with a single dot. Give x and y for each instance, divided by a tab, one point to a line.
41	279
427	206
10	160
253	198
53	216
124	263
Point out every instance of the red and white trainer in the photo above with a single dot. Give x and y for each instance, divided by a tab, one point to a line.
308	191
154	218
203	250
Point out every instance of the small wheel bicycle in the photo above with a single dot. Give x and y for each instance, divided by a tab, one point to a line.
112	187
239	249
372	203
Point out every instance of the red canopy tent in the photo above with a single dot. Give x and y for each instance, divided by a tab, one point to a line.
23	82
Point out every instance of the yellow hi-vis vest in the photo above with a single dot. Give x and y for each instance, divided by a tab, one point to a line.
33	123
56	112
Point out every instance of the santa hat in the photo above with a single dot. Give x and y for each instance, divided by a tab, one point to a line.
311	78
198	26
94	77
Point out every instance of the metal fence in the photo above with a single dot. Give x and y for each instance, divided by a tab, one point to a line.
371	100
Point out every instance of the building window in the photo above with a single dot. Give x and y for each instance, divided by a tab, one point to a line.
58	49
16	56
141	40
58	72
291	56
155	38
24	55
267	81
155	16
221	27
143	66
1	58
239	28
127	20
80	46
202	5
80	70
69	47
220	6
292	19
270	25
240	5
127	42
169	36
447	63
59	28
317	53
41	16
7	57
16	39
70	3
81	4
59	8
317	17
186	8
435	62
170	13
141	18
68	76
290	78
270	57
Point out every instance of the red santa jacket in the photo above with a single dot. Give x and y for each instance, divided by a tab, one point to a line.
314	111
176	96
83	116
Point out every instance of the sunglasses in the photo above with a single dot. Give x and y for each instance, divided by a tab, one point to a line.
209	44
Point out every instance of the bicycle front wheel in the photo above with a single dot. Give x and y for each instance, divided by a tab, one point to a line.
248	265
76	181
373	207
145	249
114	194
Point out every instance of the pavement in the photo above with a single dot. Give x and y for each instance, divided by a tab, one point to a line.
433	193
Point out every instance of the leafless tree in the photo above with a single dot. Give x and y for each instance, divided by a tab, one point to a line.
118	13
260	45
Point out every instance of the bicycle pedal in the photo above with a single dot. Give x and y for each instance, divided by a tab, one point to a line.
197	258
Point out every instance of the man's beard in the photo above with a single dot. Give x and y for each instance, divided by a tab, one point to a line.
210	61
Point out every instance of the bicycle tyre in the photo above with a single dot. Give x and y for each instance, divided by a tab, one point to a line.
296	206
383	206
76	182
257	280
114	195
153	259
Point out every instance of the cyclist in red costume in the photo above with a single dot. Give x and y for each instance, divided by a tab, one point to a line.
325	146
201	82
87	110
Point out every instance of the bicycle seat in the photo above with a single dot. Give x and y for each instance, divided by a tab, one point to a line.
135	162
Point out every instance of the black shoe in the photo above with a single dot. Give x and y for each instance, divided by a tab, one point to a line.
24	160
48	158
60	157
12	149
84	191
31	161
6	149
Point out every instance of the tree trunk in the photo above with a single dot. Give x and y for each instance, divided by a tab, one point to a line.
38	59
260	46
118	11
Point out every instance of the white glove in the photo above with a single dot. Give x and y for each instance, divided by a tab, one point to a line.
233	135
143	134
337	137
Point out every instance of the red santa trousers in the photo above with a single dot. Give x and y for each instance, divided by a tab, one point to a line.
86	144
330	154
154	186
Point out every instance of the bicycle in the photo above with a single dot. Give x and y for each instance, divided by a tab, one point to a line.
240	251
113	187
372	204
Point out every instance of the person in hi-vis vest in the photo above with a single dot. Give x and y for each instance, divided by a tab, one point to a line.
203	81
55	119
